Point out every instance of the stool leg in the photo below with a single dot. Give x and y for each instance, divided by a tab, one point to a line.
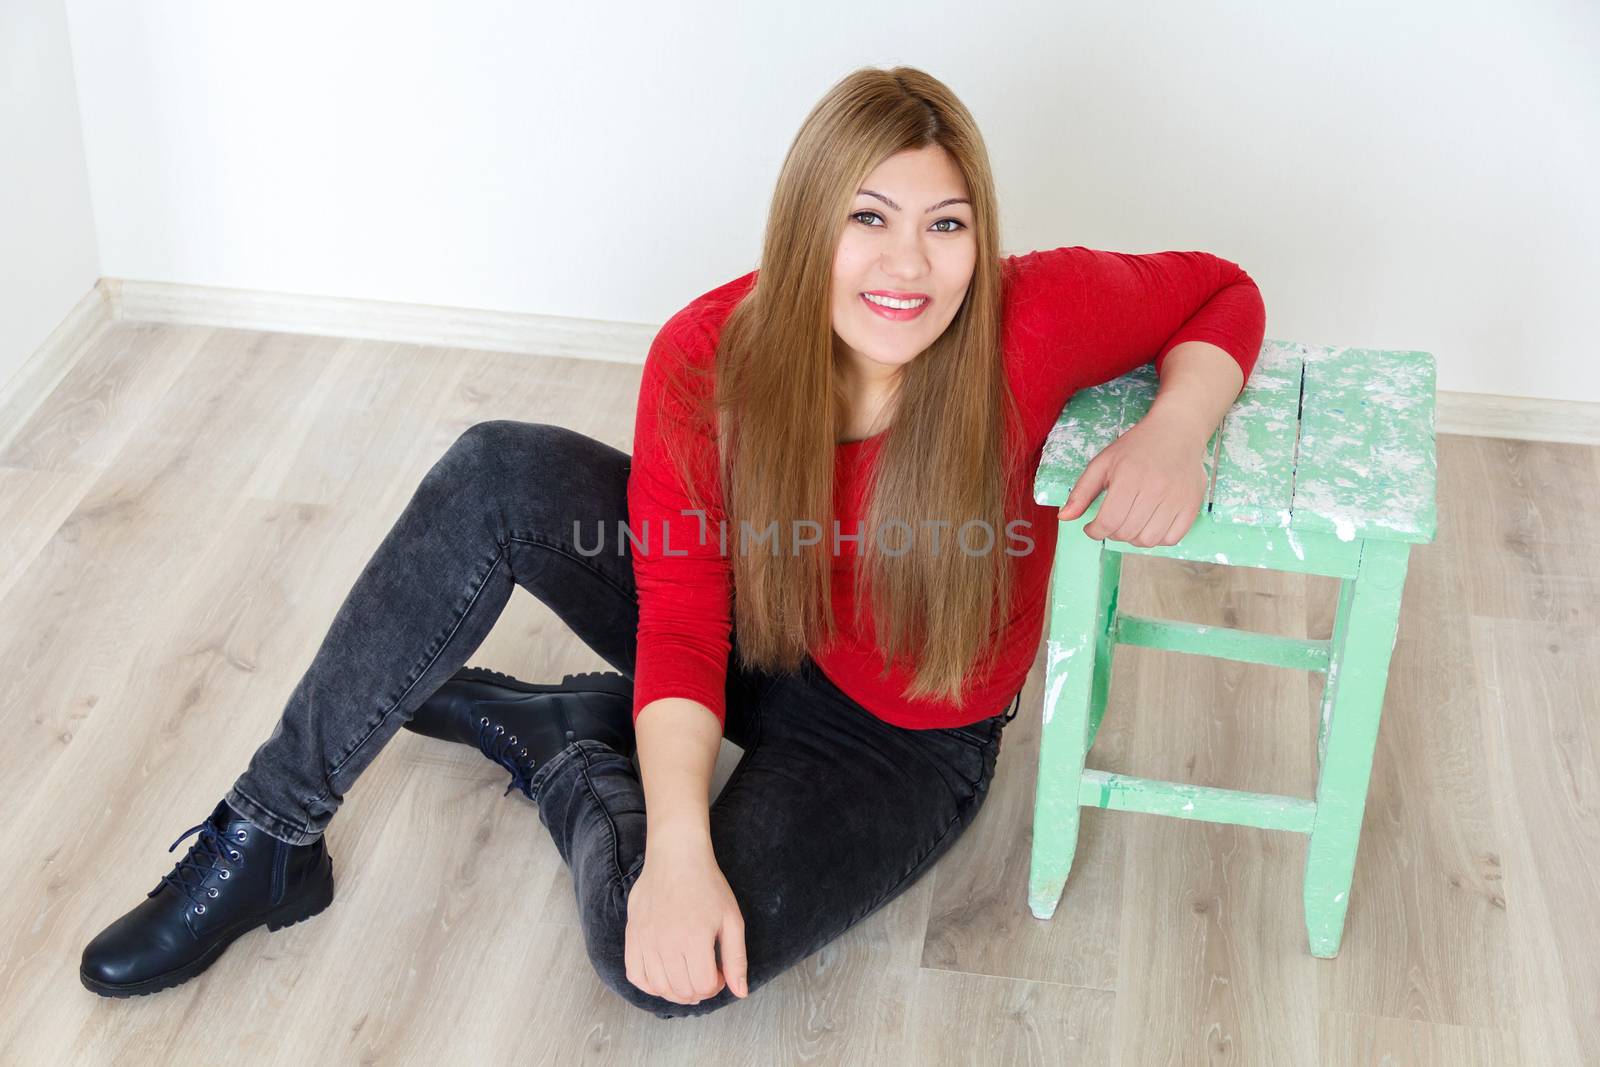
1358	672
1078	655
1330	683
1106	616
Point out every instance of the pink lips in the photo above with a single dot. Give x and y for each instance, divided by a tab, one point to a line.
897	314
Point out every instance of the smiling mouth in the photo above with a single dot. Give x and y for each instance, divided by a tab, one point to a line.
895	314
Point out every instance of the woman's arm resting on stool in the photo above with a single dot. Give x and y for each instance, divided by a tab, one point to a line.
1154	476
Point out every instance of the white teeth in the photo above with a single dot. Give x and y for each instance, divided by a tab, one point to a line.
890	302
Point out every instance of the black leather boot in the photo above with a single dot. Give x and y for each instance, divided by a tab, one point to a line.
234	878
521	725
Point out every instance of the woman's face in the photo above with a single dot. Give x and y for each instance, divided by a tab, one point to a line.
909	235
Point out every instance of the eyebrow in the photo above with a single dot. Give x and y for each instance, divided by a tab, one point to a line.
936	207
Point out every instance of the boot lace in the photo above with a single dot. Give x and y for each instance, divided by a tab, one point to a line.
506	751
208	852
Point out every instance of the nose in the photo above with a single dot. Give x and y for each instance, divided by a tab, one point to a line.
906	261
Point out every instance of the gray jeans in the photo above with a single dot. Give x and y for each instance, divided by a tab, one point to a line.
830	813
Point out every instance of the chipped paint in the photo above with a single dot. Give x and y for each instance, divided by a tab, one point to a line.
1366	465
1122	792
1256	459
1328	693
1057	655
1299	549
1335	440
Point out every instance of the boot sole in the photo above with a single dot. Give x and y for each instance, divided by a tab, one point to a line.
587	682
285	915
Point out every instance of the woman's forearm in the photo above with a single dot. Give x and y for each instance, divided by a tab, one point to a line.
678	742
1199	383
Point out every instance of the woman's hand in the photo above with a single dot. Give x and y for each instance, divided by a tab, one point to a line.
1154	480
678	909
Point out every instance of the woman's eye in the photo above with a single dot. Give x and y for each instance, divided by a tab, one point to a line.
959	225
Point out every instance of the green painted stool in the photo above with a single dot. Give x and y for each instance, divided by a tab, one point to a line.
1326	466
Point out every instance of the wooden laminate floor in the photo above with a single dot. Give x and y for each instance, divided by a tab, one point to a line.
190	505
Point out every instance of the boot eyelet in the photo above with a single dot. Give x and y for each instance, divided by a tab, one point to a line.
212	892
524	752
499	729
511	740
483	720
199	909
241	835
223	874
234	855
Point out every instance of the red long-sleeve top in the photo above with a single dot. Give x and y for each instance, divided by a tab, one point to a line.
1073	318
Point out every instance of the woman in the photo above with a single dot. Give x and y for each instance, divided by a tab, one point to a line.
885	367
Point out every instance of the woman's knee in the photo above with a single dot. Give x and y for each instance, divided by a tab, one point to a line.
542	461
494	442
496	457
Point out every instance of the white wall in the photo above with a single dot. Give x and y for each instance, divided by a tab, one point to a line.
1411	176
48	260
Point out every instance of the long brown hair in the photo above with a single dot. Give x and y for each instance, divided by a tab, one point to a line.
778	386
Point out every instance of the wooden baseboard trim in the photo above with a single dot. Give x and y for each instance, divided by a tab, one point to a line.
1523	417
382	320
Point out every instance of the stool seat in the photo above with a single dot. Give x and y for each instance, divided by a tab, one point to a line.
1325	464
